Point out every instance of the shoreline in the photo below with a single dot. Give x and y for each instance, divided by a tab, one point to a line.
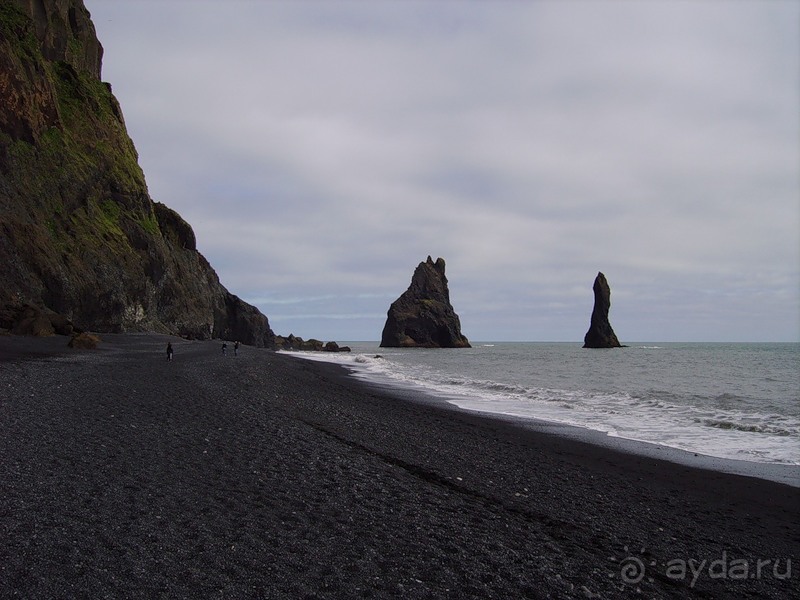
787	474
265	475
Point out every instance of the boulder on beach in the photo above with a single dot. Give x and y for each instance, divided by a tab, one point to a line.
600	334
86	341
423	316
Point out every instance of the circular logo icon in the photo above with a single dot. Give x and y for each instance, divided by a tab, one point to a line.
631	570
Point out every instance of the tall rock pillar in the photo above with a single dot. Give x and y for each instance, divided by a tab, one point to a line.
600	334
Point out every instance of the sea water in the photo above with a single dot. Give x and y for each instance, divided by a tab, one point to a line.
725	400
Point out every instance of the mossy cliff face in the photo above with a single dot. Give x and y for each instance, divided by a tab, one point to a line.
79	234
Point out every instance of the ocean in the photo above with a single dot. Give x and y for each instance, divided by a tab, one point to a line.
726	400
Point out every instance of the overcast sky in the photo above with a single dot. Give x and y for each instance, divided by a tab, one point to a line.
321	150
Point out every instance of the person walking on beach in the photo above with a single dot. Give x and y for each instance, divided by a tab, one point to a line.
224	348
236	348
169	351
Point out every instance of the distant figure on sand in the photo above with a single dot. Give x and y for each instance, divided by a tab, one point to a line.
224	347
169	350
236	348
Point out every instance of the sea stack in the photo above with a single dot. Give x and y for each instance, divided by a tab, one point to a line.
600	334
422	317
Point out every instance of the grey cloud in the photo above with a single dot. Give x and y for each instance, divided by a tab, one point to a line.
324	149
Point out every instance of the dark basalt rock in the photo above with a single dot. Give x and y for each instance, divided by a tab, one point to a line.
600	334
423	316
334	347
293	342
34	321
80	236
86	341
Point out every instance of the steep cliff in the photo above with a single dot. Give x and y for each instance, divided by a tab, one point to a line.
423	316
600	334
79	233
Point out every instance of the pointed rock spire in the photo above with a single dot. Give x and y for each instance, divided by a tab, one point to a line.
600	334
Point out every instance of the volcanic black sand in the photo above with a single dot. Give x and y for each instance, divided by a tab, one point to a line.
266	476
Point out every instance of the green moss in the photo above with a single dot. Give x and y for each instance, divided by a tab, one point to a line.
93	128
75	47
90	136
150	224
11	18
80	179
98	229
15	25
109	214
429	304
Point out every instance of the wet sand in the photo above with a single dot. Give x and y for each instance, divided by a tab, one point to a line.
266	476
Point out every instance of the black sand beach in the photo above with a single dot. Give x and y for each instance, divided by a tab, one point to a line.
265	476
